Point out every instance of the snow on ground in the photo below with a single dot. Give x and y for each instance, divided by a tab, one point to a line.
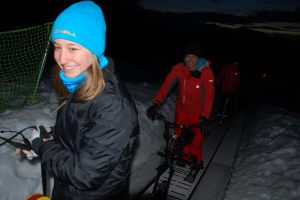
266	166
268	159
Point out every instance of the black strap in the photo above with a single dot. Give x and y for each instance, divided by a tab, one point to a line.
44	175
26	145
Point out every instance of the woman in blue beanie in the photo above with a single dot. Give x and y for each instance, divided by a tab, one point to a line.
96	129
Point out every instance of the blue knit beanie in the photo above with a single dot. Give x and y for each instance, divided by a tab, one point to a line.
83	23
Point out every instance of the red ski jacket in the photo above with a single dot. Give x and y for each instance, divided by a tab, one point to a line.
195	95
228	78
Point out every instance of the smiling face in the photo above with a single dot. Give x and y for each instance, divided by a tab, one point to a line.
72	58
190	61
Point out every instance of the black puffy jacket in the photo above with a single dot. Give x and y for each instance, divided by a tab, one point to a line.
92	156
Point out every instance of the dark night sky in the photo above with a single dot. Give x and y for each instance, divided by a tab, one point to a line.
26	13
236	7
22	14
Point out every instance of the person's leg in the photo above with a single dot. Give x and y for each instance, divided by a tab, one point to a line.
196	161
197	145
222	103
181	150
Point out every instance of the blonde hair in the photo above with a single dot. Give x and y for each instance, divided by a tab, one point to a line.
93	85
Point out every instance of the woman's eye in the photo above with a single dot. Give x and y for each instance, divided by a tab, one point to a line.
57	48
73	49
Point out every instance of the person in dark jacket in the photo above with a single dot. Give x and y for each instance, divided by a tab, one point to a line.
96	130
195	96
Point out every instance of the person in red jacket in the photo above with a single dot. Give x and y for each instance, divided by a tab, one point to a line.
195	80
228	82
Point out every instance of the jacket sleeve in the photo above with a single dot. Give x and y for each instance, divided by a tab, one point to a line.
209	88
101	144
168	84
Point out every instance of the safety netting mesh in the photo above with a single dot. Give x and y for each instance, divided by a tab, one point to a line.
23	56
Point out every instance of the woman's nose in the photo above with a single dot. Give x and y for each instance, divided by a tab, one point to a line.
63	57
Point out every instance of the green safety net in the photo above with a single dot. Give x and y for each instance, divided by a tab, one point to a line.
23	56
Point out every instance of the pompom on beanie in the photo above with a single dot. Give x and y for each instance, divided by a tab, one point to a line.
83	23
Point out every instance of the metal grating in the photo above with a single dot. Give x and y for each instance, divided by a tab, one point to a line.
180	189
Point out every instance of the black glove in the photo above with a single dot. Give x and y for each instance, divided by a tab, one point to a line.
41	136
195	73
39	133
204	126
152	111
186	137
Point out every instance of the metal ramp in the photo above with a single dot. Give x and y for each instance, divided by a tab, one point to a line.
180	189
